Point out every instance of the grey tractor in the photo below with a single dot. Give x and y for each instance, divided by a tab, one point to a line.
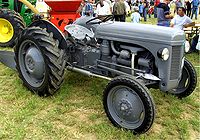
133	57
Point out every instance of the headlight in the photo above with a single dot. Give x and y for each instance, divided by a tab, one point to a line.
187	46
163	53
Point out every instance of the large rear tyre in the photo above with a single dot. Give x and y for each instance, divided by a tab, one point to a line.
128	104
39	61
188	81
11	25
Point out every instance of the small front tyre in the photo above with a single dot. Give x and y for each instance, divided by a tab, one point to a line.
188	81
128	104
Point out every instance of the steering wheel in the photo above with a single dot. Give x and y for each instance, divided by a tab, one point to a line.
101	19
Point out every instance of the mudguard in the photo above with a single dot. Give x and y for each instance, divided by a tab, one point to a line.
57	34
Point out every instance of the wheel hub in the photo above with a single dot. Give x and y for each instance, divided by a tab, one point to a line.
30	64
5	30
125	107
34	62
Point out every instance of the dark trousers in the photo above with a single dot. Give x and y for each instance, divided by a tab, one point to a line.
188	12
194	43
145	14
155	12
194	11
121	18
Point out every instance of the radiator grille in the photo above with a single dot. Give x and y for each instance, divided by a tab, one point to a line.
176	62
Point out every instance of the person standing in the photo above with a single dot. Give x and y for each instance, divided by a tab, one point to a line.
195	45
163	14
188	7
145	9
103	8
181	21
110	5
156	2
88	9
135	16
195	5
127	8
119	11
178	4
141	7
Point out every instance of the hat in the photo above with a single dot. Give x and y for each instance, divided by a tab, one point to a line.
136	8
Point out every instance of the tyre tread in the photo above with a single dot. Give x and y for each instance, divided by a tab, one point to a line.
55	63
17	22
144	93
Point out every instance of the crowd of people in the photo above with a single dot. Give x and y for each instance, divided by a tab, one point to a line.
118	8
169	13
140	9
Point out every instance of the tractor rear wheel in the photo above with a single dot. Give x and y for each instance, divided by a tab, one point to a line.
39	61
11	25
128	104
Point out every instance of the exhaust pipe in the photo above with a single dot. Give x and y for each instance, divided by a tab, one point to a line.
85	72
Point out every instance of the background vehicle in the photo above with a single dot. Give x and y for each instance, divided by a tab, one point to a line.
20	8
15	15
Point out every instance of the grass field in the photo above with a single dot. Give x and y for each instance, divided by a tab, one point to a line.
76	111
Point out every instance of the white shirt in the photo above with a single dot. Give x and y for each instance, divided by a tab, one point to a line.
179	21
135	17
105	10
127	6
42	7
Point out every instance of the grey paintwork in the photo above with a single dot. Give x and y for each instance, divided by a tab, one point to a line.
150	37
129	32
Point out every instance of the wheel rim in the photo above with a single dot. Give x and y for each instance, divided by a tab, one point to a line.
31	63
6	30
126	107
184	82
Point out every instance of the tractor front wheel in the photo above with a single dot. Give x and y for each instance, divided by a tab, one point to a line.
11	25
128	104
188	81
39	61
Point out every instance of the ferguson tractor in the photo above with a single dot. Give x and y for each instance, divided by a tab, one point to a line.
133	57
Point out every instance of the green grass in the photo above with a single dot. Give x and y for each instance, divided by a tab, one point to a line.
76	111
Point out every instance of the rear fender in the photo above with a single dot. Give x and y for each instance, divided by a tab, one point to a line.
57	34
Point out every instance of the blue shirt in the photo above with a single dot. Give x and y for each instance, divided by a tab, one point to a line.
162	10
195	3
88	9
141	7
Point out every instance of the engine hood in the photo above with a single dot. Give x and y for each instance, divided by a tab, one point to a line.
131	32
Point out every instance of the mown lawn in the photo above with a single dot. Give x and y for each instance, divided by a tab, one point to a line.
76	111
